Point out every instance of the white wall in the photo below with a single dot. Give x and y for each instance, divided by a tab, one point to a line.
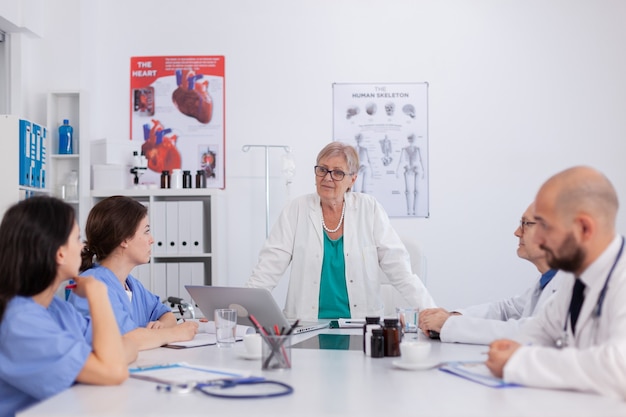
518	91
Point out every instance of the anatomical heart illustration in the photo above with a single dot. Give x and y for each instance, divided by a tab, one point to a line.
160	148
192	96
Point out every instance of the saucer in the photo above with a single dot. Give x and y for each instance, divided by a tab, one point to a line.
414	366
249	356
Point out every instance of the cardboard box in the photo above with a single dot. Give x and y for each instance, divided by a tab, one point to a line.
109	152
110	177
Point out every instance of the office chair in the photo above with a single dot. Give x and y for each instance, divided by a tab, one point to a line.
392	298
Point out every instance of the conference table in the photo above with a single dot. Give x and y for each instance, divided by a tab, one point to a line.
328	382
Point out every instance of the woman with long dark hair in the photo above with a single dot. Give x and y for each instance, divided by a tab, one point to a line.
45	344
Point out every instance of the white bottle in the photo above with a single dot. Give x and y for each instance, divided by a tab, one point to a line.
71	186
177	179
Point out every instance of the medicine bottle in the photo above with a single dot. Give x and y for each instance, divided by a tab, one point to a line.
186	179
392	334
370	324
377	343
200	179
165	179
177	179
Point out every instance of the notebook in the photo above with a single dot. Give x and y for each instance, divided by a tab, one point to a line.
256	301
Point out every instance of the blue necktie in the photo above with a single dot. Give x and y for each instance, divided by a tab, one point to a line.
577	301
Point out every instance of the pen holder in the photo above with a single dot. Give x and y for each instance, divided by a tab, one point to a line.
276	353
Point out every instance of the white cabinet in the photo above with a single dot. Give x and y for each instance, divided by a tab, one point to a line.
69	105
24	173
186	235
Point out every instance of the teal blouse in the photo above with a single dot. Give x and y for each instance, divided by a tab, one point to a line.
333	302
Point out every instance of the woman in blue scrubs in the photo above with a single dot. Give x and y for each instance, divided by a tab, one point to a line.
118	236
45	344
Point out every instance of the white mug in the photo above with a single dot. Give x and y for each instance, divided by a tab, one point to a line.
414	352
252	343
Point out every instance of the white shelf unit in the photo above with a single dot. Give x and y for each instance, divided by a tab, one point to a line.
211	200
69	105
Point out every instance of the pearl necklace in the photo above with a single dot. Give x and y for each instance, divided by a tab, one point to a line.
343	211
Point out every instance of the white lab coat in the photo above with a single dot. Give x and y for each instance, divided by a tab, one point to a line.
596	358
370	245
481	324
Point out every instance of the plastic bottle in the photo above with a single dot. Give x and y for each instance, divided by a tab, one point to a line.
371	323
66	138
200	179
136	159
177	179
392	333
377	343
186	179
165	179
71	186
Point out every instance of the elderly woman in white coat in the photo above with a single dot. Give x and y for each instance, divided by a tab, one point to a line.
337	242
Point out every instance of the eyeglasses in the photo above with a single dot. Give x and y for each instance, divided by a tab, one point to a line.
335	174
525	223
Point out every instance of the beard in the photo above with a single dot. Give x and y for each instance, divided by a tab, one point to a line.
569	257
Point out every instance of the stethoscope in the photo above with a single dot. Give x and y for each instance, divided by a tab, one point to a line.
562	342
214	388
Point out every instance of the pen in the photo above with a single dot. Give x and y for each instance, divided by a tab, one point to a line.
182	312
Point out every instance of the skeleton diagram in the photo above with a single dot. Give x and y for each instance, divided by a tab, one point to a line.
385	147
364	165
412	169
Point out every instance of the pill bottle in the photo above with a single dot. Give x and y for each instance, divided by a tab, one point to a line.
370	324
165	179
177	179
392	333
200	179
377	343
186	179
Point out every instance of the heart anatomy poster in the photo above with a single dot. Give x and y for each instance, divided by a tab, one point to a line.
388	126
177	115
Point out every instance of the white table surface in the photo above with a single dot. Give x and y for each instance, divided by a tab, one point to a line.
329	383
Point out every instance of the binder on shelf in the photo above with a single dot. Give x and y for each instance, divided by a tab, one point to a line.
44	158
185	221
171	227
142	273
24	130
159	283
197	274
38	137
32	151
172	285
184	278
197	231
158	227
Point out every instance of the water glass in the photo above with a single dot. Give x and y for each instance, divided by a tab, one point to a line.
225	327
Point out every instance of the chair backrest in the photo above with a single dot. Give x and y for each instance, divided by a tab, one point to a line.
392	298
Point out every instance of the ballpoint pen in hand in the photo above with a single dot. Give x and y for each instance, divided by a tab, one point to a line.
182	312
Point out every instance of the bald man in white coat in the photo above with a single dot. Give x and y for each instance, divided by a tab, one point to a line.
572	344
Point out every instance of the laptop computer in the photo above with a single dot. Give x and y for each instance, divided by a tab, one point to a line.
247	301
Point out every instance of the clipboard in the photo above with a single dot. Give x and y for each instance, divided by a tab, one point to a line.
476	371
183	373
